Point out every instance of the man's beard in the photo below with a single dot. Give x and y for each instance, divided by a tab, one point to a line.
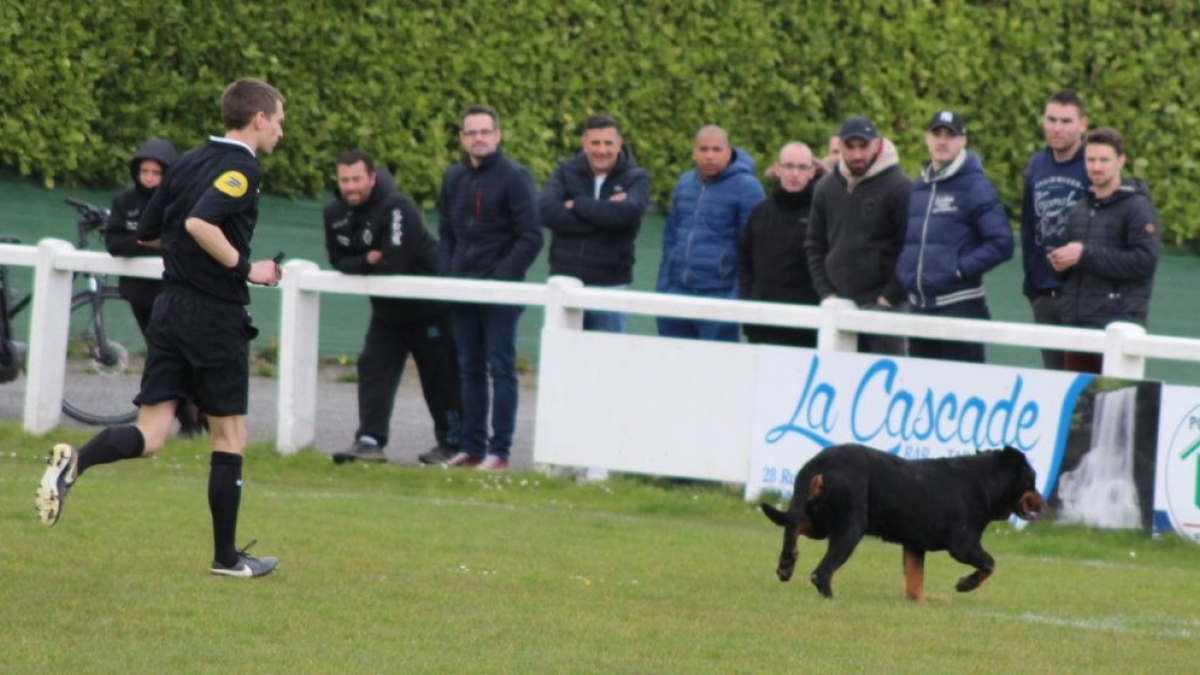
859	173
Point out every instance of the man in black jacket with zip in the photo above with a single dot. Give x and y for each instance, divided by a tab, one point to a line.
371	228
593	205
772	264
1113	238
489	227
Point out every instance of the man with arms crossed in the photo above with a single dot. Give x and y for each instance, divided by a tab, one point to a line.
593	205
198	342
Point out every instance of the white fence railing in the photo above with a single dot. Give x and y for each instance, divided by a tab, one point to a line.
1125	346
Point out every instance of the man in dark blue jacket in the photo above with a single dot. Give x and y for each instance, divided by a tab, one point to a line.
957	231
1055	180
709	210
489	227
593	205
372	228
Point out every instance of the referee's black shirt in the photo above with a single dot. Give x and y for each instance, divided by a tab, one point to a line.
219	184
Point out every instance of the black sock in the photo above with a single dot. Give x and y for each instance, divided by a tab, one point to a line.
224	499
111	445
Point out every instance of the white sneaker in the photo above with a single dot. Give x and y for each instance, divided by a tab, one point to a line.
493	463
247	566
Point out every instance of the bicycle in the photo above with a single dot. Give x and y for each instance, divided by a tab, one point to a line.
105	345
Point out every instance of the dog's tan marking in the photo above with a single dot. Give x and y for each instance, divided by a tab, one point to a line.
914	575
815	487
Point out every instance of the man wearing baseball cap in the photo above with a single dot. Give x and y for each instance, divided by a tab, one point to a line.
856	228
957	231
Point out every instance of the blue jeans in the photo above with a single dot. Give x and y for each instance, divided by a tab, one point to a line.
951	350
700	330
608	322
486	337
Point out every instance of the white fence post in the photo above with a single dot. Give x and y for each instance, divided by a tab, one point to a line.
829	337
48	333
557	314
299	332
1117	363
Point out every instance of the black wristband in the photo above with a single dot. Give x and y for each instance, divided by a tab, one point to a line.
242	268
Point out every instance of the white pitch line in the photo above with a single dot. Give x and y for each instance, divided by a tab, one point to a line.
1112	624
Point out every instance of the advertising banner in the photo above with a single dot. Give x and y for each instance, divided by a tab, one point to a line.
1177	497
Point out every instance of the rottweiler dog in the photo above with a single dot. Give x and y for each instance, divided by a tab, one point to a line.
848	491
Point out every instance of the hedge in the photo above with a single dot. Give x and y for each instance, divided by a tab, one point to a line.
82	84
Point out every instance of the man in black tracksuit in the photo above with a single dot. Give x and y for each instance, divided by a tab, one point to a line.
593	205
1113	238
371	228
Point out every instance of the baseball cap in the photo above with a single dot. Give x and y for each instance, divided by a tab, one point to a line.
858	127
949	120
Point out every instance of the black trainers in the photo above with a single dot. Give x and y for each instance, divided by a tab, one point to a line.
437	455
247	566
56	482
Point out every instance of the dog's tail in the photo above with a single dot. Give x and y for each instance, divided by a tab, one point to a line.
780	518
785	518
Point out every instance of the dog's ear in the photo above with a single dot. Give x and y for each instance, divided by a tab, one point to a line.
778	517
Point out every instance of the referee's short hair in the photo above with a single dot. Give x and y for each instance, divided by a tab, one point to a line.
246	97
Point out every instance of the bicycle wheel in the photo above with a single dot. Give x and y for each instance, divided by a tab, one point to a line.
103	375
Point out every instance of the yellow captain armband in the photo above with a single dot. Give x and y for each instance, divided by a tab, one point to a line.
232	183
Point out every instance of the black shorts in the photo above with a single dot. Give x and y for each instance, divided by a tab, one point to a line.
198	347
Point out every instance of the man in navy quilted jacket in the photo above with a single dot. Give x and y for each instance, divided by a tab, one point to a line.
957	231
709	209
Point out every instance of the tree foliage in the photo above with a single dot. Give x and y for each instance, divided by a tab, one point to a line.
82	85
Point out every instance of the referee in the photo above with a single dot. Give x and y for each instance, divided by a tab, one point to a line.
198	341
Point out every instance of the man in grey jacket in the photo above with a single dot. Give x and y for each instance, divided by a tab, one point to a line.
856	228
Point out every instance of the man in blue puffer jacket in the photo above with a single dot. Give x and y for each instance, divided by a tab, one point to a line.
957	231
709	209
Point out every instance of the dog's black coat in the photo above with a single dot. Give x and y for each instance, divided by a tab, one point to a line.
848	491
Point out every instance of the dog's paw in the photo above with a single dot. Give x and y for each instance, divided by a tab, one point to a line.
822	586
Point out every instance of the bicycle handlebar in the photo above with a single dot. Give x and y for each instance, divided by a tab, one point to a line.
85	208
91	218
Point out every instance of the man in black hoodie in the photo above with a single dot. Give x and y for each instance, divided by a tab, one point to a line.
371	228
771	260
1108	264
856	230
147	168
593	205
